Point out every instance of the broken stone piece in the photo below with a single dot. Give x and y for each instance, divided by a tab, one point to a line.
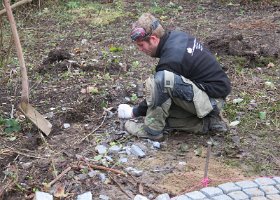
114	149
85	196
66	125
101	149
164	196
134	172
135	150
140	197
103	197
42	195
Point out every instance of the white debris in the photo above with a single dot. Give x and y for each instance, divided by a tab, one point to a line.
123	160
43	196
135	150
134	172
234	123
114	149
103	197
140	197
66	125
164	196
236	101
101	149
85	196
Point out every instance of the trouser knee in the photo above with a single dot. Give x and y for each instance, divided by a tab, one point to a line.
156	94
164	85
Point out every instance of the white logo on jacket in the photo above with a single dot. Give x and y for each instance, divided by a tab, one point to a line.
196	45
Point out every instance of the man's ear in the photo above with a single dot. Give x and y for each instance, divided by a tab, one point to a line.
154	39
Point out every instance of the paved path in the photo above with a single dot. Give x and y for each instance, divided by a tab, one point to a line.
259	189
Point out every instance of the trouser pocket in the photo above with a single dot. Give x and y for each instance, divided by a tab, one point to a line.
182	90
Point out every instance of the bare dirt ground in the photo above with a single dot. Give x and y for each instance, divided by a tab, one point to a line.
82	65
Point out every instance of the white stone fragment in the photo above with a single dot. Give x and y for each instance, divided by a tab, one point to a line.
164	196
85	196
66	125
42	196
135	150
140	197
234	123
101	149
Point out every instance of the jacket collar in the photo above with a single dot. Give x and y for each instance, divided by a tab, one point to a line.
161	43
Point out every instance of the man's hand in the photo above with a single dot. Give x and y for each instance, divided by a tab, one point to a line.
125	111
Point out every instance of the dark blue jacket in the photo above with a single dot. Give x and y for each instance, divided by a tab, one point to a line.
183	55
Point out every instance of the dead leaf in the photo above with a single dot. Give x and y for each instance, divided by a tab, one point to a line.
270	65
140	188
59	190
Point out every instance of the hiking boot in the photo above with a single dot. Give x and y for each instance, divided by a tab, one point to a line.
215	123
137	129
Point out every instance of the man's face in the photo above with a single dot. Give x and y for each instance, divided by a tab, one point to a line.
148	47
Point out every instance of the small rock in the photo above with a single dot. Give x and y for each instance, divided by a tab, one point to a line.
114	149
85	196
270	85
49	115
92	173
102	177
26	165
123	160
151	196
184	147
101	149
108	158
103	197
236	101
182	163
135	150
81	177
234	123
163	197
140	197
84	41
156	145
43	196
127	150
134	172
66	125
71	174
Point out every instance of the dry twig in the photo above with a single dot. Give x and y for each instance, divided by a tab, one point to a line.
48	185
101	168
78	142
122	189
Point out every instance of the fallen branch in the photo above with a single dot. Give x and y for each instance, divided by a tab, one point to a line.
102	168
48	185
8	185
78	142
12	181
15	5
21	153
123	190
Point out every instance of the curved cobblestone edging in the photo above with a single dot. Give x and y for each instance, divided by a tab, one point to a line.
264	188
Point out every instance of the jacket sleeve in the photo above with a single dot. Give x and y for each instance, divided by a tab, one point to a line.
141	109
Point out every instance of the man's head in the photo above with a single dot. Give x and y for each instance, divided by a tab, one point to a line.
146	33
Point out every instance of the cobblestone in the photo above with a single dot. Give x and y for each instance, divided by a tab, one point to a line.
264	188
